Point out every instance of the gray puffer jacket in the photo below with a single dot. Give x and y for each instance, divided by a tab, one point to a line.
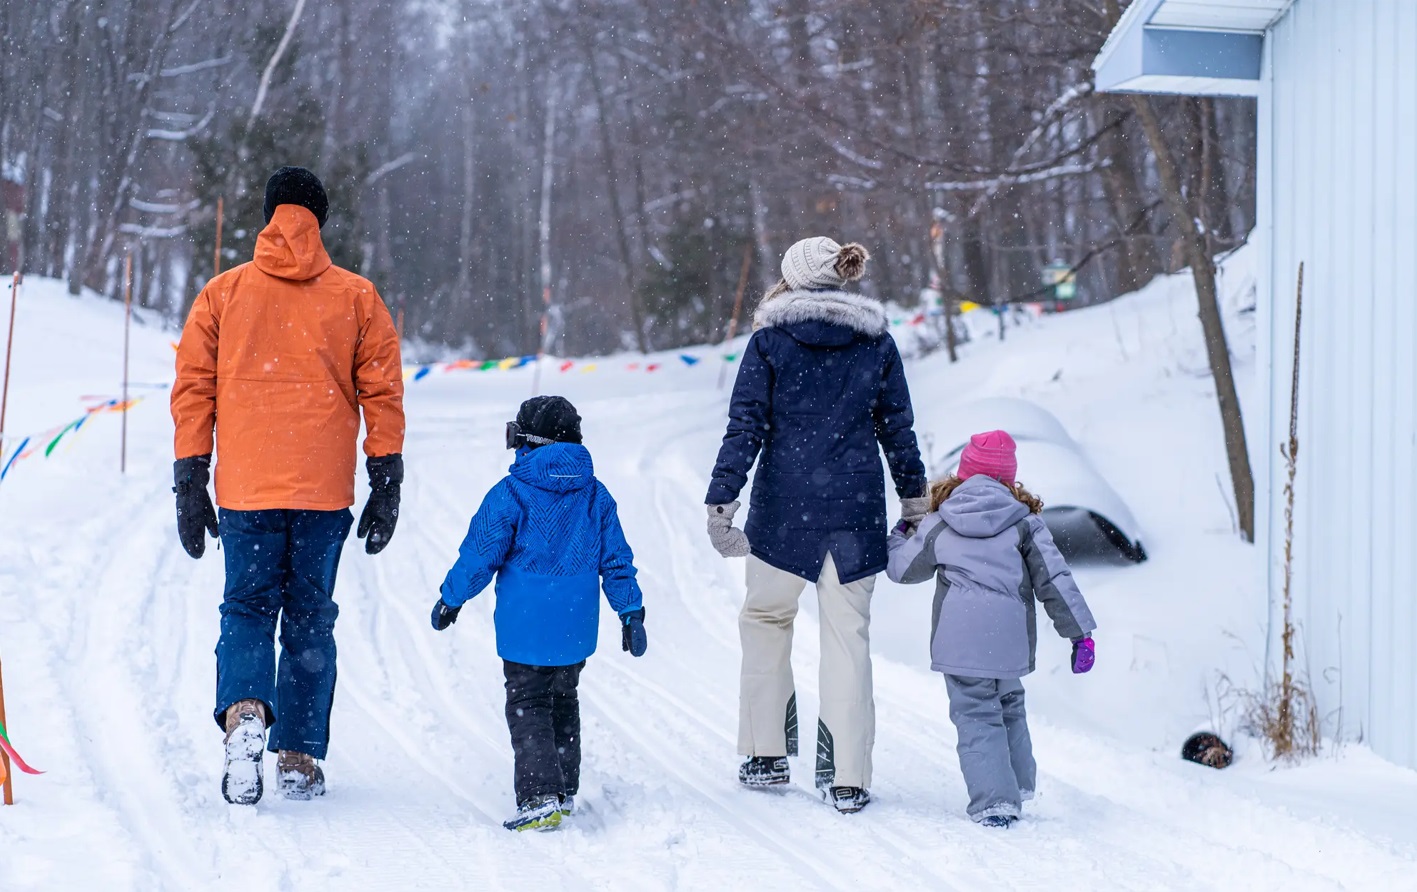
994	560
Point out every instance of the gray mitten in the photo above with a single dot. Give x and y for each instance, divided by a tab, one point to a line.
912	511
727	539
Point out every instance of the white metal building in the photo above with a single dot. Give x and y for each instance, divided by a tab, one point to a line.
1336	82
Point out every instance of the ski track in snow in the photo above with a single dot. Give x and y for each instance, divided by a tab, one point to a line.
420	767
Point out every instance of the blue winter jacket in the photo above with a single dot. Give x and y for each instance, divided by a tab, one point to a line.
820	392
550	533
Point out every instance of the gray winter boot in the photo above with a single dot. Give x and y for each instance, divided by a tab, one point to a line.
242	782
300	777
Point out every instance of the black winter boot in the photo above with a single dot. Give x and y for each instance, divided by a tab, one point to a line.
765	771
849	800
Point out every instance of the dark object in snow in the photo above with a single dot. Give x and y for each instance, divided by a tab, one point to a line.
1001	822
764	771
296	185
1205	748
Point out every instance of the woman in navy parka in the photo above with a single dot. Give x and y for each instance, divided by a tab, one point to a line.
820	393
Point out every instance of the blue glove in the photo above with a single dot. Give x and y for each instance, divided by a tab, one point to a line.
632	634
443	615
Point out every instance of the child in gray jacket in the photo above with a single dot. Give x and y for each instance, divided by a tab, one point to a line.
993	557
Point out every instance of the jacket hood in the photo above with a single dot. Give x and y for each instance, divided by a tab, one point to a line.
290	246
558	467
982	507
822	318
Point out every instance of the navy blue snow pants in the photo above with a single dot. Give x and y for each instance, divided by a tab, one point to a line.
281	564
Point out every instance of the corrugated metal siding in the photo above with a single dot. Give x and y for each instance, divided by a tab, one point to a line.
1342	198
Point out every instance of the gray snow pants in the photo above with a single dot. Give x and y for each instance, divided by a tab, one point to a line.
995	751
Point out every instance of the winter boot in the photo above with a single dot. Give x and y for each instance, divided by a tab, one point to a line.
1001	822
765	771
243	781
537	813
568	806
849	800
300	777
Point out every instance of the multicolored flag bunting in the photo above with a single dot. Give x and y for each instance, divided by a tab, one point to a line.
14	756
48	441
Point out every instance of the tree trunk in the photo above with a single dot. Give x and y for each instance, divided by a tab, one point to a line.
1139	263
612	188
1217	349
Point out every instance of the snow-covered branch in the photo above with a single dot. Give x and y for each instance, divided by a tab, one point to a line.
194	67
188	133
995	183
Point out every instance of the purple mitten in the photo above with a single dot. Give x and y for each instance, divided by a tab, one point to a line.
1084	655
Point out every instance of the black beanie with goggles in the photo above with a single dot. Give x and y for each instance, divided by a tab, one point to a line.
542	420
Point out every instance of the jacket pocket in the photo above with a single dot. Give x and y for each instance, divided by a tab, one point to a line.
979	632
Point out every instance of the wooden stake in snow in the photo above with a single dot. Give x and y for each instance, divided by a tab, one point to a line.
127	325
5	757
1284	741
737	309
9	349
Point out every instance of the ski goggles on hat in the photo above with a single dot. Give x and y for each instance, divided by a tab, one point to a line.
517	437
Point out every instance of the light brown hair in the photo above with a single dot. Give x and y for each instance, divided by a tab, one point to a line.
943	489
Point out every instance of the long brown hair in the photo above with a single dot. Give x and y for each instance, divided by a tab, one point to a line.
943	489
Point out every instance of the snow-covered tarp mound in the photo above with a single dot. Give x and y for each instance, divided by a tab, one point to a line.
1083	511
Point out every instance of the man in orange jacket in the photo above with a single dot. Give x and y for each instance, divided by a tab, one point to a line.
277	360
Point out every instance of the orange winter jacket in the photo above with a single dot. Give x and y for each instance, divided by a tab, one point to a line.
278	357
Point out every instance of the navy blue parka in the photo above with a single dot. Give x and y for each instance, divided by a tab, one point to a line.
820	392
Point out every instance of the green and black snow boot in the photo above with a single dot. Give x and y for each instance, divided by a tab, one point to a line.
541	813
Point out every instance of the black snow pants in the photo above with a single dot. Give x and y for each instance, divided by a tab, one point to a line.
544	716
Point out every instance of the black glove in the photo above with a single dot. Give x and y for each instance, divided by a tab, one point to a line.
632	635
381	514
443	615
195	514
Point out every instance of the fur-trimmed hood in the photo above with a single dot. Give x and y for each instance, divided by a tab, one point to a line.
854	311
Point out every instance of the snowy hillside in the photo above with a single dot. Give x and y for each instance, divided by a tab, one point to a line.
107	630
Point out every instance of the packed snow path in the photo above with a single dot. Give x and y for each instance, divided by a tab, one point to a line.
108	630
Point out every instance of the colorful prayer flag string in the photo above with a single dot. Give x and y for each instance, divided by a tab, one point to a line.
14	756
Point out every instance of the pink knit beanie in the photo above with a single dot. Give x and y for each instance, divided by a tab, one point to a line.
992	455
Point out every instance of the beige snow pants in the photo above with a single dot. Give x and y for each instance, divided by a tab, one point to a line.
767	705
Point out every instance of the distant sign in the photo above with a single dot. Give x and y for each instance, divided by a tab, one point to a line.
1060	276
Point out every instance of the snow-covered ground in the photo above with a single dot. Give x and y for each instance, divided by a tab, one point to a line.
107	630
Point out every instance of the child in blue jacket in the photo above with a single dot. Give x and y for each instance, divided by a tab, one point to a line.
550	533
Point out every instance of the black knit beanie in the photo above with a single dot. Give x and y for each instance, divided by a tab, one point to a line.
551	418
296	185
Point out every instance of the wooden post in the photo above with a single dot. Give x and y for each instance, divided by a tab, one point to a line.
737	311
127	325
9	349
9	769
216	253
399	325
